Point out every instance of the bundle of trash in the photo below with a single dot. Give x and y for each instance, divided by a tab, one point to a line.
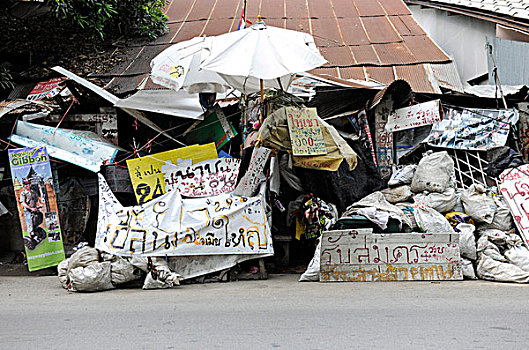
90	270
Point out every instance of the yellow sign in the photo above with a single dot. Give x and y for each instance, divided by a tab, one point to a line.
146	172
305	132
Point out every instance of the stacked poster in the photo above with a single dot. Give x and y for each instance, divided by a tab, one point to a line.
473	129
37	207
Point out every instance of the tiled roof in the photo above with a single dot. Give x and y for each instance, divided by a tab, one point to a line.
362	39
513	8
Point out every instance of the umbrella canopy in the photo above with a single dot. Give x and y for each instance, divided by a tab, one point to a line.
260	52
178	67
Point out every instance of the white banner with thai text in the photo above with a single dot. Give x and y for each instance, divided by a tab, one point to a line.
514	187
172	226
421	114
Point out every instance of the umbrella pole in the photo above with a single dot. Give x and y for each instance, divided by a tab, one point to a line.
262	101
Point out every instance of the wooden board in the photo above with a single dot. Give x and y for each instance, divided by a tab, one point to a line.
354	255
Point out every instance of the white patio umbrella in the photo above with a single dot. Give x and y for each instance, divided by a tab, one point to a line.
260	53
178	67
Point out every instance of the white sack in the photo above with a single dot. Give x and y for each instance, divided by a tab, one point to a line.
403	176
161	277
502	217
91	278
122	271
518	256
433	173
490	269
62	273
313	270
442	202
486	247
397	194
478	204
467	241
430	220
83	257
468	269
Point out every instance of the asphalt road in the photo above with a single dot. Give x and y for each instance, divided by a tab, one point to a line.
277	313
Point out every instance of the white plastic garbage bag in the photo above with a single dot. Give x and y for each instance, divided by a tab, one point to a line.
518	256
403	176
468	269
83	257
442	202
430	220
397	194
502	217
467	240
433	173
486	247
122	271
62	273
91	278
313	270
478	204
494	270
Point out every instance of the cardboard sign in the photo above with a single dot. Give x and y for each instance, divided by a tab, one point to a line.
207	178
358	255
253	176
172	226
82	148
473	129
514	187
426	113
305	132
37	207
146	172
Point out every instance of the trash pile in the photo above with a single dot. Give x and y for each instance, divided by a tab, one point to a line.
91	270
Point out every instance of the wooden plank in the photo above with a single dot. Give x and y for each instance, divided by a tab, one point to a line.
350	255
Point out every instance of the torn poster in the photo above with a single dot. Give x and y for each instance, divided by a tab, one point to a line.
421	114
305	132
37	207
146	172
253	176
172	226
214	128
207	178
82	148
472	129
514	186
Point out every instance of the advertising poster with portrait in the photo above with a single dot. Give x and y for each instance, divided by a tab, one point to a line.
37	206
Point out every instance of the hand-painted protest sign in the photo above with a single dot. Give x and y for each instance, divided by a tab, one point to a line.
172	226
82	148
472	129
207	178
146	172
305	132
49	88
514	187
426	113
37	207
253	176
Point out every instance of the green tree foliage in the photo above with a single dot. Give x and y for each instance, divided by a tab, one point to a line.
6	80
113	18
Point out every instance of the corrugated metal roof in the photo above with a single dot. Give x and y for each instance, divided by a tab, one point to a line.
513	8
355	36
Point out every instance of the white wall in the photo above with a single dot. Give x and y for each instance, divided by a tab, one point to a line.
461	37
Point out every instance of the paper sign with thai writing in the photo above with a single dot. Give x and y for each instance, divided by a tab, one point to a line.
172	226
146	172
253	176
414	116
305	132
514	186
37	207
207	178
353	255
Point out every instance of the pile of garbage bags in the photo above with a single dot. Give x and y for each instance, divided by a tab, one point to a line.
424	198
90	270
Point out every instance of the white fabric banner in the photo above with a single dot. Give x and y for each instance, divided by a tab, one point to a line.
170	225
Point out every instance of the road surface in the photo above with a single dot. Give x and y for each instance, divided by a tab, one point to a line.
277	313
